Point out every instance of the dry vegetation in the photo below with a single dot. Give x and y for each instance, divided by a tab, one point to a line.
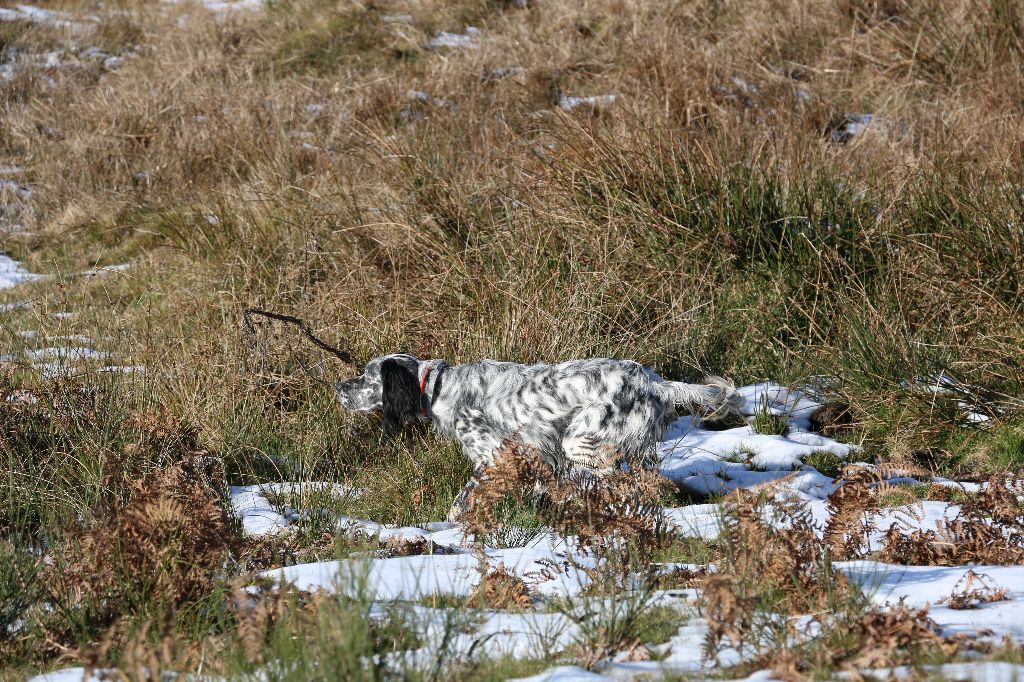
724	214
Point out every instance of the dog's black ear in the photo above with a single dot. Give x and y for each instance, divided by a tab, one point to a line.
401	395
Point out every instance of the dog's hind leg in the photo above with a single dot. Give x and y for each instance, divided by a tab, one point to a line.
599	437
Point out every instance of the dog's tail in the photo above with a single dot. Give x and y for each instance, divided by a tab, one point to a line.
716	398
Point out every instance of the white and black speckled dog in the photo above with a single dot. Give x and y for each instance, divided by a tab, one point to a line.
574	413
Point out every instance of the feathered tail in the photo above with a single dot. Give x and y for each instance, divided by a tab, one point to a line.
716	398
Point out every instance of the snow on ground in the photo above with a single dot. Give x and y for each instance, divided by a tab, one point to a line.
494	634
703	460
467	40
718	462
223	6
592	103
982	671
918	586
416	577
54	361
259	517
71	675
703	520
37	15
12	273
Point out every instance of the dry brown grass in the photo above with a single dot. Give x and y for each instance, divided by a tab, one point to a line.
282	162
704	222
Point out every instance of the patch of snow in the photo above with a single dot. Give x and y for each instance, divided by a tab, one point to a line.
918	586
122	369
491	634
77	338
73	675
397	19
704	520
17	189
503	72
36	15
718	462
232	5
104	270
563	673
467	40
942	384
976	671
414	577
8	307
426	97
65	353
109	61
22	396
593	102
224	6
13	274
11	170
852	126
965	486
260	517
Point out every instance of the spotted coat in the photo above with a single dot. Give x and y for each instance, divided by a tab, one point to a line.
581	414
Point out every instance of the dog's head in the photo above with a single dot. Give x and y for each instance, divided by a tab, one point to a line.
388	384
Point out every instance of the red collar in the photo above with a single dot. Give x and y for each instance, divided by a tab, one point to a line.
423	386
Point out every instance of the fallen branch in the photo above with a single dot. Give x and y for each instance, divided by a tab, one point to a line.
342	355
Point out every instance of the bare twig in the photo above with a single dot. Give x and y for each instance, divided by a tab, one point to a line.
342	355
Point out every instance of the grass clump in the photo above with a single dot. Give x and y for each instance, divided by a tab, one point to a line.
825	462
768	423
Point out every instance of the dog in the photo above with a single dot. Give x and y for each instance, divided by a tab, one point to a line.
584	415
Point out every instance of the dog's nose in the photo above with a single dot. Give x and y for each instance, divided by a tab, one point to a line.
341	392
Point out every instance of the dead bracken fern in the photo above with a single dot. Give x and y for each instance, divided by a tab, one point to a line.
988	529
974	589
256	612
623	505
853	506
774	563
885	635
770	548
164	548
517	476
499	589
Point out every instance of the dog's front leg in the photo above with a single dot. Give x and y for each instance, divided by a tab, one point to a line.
461	503
479	442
